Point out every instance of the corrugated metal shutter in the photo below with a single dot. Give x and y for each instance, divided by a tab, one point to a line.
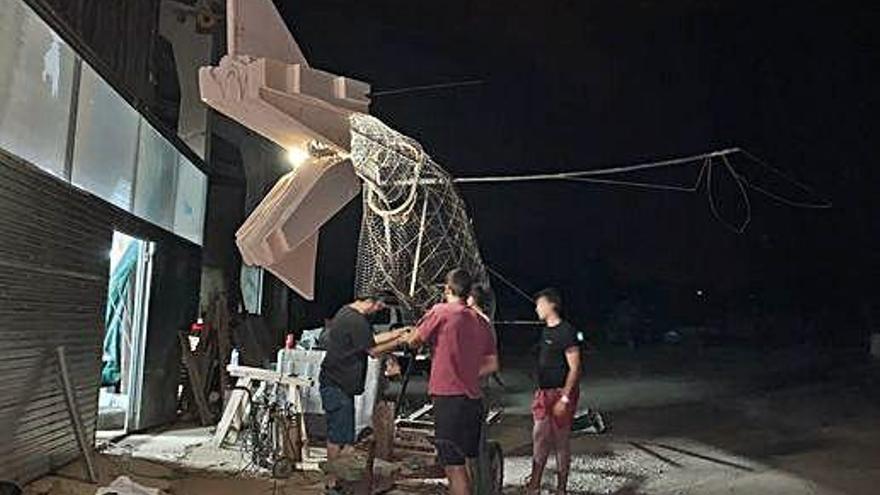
53	282
54	261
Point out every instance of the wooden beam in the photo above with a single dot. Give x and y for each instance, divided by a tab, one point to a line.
267	376
230	413
79	430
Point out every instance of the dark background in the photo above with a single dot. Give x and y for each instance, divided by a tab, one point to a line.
574	85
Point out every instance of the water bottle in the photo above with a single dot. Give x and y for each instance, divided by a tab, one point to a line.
233	359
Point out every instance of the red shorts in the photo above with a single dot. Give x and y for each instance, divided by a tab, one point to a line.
545	399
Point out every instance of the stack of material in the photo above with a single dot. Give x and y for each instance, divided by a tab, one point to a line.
281	235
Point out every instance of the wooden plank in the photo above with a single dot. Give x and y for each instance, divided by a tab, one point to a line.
230	413
420	412
414	423
75	417
309	465
294	394
383	429
267	376
292	439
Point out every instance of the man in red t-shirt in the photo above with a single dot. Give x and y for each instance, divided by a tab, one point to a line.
463	351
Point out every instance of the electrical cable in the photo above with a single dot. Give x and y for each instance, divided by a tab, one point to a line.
647	185
425	87
706	169
786	201
737	229
745	195
510	284
778	172
604	171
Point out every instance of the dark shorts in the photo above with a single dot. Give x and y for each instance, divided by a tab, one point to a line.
339	411
457	424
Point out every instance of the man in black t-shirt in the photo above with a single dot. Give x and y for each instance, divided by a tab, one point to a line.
349	340
555	402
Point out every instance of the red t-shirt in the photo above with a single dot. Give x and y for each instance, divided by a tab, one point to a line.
461	339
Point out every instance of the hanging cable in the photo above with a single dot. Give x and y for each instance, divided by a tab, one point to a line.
778	172
589	173
744	194
647	185
737	229
706	170
779	198
510	284
425	87
786	201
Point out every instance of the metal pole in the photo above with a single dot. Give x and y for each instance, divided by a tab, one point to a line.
75	418
417	259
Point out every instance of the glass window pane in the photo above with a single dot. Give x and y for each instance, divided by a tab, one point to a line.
36	81
106	141
251	281
189	210
156	178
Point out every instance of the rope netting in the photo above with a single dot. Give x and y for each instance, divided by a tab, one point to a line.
415	226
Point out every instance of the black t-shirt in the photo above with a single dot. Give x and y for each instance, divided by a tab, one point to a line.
552	365
349	337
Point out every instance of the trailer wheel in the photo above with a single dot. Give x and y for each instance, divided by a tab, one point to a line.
496	467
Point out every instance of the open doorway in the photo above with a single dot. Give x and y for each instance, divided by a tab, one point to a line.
125	325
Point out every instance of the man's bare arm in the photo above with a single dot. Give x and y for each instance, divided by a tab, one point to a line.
384	348
573	356
411	338
388	336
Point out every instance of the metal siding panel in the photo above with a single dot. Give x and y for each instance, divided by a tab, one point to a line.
53	281
54	268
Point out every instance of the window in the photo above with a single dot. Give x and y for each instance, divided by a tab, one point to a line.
116	154
106	141
251	281
189	209
156	178
36	85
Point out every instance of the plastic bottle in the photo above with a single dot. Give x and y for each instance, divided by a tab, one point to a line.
233	359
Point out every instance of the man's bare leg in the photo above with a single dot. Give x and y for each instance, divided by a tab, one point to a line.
562	441
459	482
542	443
333	453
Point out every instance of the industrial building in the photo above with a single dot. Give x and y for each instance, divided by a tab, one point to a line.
105	185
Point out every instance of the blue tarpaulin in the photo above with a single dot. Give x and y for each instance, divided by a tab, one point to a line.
118	314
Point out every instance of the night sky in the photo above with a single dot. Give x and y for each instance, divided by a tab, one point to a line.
574	85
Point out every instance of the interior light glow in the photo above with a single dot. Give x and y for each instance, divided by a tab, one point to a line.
297	156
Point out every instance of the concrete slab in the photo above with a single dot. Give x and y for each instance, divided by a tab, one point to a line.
190	447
